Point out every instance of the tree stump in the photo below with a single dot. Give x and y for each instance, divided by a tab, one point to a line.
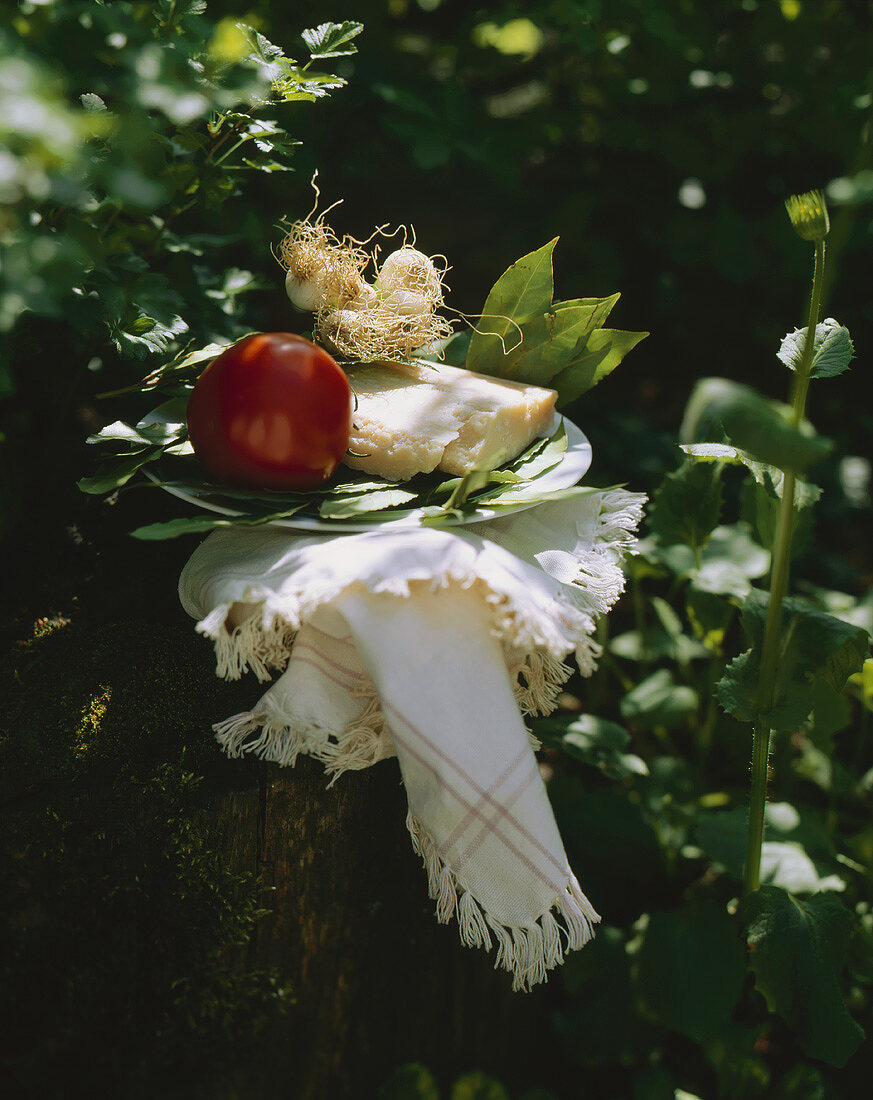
376	982
114	861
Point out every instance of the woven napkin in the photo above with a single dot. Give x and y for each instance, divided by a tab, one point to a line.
430	645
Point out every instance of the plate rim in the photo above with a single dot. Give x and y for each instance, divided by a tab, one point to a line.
579	447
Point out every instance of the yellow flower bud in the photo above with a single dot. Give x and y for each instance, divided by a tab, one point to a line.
809	215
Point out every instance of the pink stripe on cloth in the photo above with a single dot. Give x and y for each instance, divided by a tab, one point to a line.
314	664
474	809
464	823
477	841
483	794
302	647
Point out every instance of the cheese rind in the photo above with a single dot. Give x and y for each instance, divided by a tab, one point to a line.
415	418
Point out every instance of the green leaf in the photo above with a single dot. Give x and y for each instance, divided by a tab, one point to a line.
478	1086
814	646
167	422
602	307
727	563
593	741
523	336
656	644
785	860
182	364
753	423
332	39
473	482
770	478
349	507
147	335
659	701
604	350
831	712
509	496
710	616
119	432
117	472
687	505
523	291
412	1081
832	349
797	951
171	529
541	456
163	425
92	103
600	1025
550	342
691	969
262	48
759	507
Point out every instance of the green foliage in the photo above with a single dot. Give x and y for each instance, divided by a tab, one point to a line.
691	969
757	425
410	1082
135	138
832	349
593	741
525	336
146	200
599	1026
659	701
688	506
816	648
414	1081
477	1086
797	951
794	850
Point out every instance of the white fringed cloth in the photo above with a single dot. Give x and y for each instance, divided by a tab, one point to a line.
430	644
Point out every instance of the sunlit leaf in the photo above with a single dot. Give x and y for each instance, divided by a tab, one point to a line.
832	349
117	472
593	741
686	507
332	39
522	292
603	351
753	423
814	646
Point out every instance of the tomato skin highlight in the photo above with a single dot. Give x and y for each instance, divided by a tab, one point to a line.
272	412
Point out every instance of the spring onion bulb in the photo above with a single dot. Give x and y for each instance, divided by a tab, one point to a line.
320	269
407	269
386	320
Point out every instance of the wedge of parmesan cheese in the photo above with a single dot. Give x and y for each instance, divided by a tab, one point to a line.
412	419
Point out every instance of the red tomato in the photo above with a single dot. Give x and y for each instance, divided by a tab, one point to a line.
272	412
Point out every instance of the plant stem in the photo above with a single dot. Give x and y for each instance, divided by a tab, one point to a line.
778	589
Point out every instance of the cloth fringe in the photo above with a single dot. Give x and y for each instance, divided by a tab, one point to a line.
263	640
535	650
527	952
273	738
539	677
599	575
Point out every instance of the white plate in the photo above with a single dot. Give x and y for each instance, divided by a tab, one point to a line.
574	463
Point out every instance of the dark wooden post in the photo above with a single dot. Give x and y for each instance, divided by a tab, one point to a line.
117	691
376	981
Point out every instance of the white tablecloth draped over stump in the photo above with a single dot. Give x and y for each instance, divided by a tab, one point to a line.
431	645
